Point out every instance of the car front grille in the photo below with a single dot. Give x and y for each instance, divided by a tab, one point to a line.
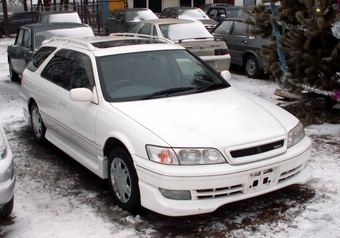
257	149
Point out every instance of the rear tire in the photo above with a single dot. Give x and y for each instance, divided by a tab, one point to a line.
123	181
251	67
38	126
2	34
7	209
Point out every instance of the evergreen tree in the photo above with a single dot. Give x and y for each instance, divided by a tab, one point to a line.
304	54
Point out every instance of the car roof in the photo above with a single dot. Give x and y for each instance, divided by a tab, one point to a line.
236	18
116	43
56	12
132	9
52	25
229	7
183	8
168	20
24	12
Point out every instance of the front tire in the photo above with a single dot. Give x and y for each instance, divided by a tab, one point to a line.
251	67
123	181
38	126
7	209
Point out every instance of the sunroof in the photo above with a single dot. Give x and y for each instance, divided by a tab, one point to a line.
114	43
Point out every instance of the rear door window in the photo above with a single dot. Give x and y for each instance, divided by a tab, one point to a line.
224	28
239	29
39	57
145	29
69	69
23	38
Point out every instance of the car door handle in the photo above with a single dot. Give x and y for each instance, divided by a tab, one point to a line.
244	42
62	105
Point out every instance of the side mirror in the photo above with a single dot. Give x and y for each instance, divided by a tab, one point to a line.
226	75
81	94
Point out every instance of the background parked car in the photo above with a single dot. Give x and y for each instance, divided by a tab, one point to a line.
7	177
219	13
58	16
30	37
206	6
15	20
121	19
190	34
242	46
191	13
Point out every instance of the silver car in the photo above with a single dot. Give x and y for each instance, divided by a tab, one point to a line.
7	177
190	34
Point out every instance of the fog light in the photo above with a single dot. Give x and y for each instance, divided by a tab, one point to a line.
176	194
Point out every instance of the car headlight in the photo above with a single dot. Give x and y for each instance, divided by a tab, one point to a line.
296	135
184	156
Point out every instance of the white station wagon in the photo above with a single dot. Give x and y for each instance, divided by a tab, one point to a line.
168	132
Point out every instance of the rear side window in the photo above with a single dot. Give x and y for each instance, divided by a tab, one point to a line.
39	57
212	13
239	29
56	70
23	38
70	69
145	29
133	28
224	28
165	13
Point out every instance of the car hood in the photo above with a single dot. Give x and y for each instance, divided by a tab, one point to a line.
216	118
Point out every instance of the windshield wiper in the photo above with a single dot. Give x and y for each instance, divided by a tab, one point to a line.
210	87
166	92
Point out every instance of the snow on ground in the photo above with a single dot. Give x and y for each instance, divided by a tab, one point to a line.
49	214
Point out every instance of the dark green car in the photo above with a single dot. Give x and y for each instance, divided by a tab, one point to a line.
30	37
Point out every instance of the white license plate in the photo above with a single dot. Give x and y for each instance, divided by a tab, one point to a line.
261	180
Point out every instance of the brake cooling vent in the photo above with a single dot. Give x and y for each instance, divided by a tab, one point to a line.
290	173
218	192
257	149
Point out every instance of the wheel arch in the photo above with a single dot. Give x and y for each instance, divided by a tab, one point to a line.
112	143
30	102
246	54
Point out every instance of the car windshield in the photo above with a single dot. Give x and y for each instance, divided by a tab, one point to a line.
192	14
40	36
184	31
135	16
155	74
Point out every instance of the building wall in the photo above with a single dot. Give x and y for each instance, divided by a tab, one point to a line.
169	3
241	2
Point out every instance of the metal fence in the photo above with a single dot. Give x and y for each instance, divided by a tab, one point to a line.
93	14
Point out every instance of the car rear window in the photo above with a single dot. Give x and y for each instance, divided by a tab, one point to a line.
40	36
184	31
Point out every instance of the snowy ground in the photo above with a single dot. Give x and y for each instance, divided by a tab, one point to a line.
57	197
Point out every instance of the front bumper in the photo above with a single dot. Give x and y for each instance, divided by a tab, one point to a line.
209	192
